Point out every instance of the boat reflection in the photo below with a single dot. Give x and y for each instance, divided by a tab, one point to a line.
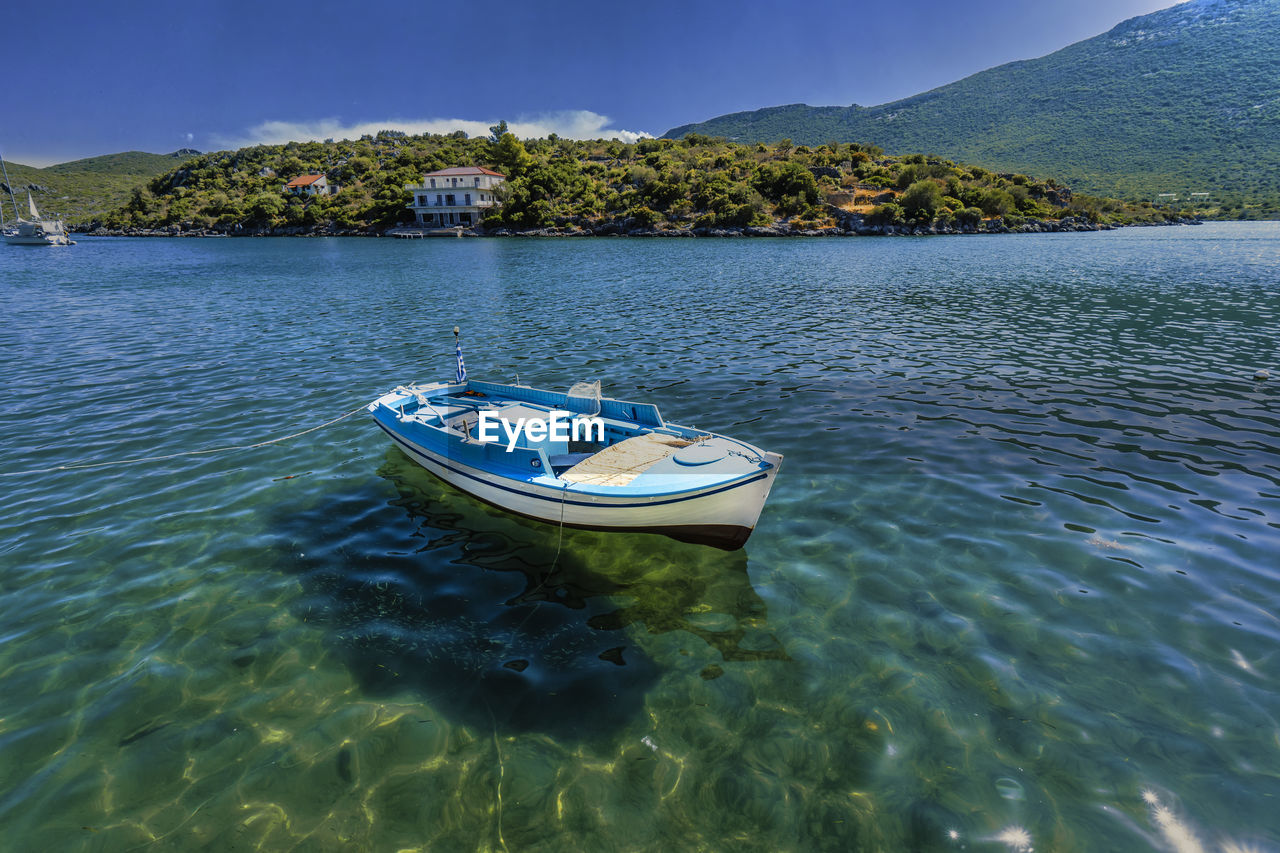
517	623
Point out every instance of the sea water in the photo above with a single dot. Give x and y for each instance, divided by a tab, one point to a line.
1016	585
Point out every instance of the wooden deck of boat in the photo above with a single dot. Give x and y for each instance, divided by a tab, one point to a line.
619	464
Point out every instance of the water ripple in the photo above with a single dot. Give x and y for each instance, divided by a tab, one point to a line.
1015	586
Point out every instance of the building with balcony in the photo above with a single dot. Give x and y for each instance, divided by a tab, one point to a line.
455	196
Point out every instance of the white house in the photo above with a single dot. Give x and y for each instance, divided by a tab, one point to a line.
454	196
310	185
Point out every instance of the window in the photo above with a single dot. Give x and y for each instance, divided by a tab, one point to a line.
433	183
468	201
477	182
438	201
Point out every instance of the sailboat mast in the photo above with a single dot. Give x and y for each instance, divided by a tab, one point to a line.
9	187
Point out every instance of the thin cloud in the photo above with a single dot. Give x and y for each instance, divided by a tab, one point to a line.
569	124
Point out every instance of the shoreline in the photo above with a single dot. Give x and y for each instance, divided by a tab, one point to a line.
853	225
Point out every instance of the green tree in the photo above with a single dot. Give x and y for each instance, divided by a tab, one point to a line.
510	156
294	210
889	213
994	201
776	181
922	200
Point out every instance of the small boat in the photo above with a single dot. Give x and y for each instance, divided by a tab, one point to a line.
37	231
580	460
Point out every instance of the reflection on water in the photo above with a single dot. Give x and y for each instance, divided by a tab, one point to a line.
495	618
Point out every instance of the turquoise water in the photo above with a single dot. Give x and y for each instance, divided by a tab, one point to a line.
1016	586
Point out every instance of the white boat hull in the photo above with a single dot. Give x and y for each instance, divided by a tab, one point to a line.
36	231
34	240
722	515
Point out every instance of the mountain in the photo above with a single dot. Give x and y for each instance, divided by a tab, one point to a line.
84	189
1182	100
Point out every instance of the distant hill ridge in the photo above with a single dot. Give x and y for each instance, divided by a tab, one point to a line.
1181	100
81	190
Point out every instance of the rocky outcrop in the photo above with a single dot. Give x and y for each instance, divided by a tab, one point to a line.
859	224
189	230
847	224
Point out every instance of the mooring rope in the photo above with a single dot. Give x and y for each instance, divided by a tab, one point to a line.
206	451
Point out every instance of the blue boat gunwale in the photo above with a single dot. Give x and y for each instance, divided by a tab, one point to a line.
642	414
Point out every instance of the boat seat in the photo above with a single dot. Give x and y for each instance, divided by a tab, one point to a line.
432	414
463	423
619	464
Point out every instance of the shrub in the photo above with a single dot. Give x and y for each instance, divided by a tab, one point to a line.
646	217
265	206
641	174
778	180
889	213
537	215
994	202
746	214
792	205
922	200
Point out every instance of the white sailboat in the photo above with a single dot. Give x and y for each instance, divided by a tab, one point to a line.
36	231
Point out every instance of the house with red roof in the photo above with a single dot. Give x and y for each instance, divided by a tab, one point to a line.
458	195
310	185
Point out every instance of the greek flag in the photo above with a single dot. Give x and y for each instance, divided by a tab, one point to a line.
461	375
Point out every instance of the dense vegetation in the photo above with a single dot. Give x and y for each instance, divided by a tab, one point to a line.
85	189
697	182
1183	100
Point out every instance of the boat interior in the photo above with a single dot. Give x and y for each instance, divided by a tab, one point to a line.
635	438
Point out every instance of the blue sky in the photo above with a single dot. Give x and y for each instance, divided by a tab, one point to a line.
96	78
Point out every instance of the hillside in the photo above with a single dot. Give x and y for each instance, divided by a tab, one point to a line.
1182	100
696	185
85	189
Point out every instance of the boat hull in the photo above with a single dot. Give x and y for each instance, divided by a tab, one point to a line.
37	231
722	516
38	240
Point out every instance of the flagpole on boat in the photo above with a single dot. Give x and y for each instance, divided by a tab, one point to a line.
461	375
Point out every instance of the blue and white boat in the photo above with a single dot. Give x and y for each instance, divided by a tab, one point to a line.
580	460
